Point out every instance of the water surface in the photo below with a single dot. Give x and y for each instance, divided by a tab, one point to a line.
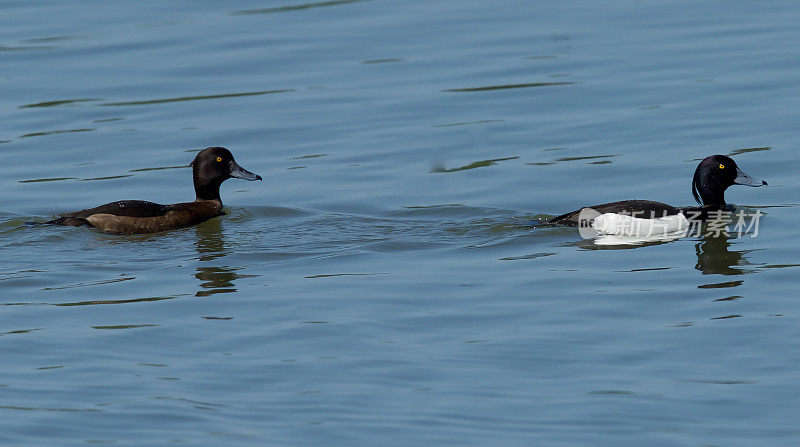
383	285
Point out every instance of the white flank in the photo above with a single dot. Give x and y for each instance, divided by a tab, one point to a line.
621	225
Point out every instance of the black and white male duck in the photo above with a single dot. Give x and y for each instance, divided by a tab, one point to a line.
210	168
711	178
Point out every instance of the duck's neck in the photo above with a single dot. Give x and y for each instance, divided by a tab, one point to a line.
710	192
207	191
713	198
710	189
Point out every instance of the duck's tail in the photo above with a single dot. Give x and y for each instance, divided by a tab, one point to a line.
64	221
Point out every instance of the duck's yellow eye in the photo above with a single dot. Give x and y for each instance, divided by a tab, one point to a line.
220	159
721	166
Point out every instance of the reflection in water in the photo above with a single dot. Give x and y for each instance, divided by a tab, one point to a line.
210	241
216	280
721	285
612	242
714	257
211	245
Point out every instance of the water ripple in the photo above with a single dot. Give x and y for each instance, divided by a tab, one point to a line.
507	86
439	167
60	102
195	98
300	7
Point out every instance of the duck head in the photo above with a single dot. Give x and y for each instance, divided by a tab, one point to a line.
211	167
714	175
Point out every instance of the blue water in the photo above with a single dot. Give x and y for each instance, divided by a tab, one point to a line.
383	285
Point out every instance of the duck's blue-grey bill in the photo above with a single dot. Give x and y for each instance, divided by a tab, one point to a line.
242	173
744	179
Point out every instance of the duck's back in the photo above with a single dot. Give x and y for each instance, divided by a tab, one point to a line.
128	208
645	209
139	216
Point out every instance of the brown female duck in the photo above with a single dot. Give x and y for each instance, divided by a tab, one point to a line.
210	168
